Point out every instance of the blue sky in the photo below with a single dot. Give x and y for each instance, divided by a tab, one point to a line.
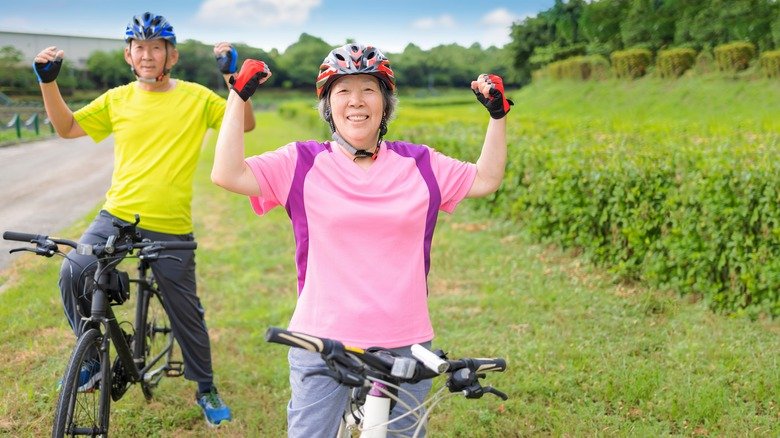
267	24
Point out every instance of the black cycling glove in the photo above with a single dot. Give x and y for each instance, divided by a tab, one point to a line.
47	71
497	104
227	61
248	78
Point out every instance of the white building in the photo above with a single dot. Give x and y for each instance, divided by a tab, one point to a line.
77	48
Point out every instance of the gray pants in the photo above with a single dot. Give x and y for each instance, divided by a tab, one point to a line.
317	402
177	283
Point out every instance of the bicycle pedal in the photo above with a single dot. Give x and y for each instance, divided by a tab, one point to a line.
175	368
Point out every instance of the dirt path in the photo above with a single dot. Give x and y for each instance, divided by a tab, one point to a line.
47	185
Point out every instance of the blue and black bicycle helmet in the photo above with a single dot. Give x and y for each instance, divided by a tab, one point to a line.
149	26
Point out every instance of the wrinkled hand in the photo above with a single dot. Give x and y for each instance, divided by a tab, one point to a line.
47	63
489	89
227	58
252	74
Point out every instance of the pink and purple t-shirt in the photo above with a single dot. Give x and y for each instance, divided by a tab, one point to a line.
362	236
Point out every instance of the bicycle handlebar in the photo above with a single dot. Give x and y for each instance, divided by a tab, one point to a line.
125	241
464	374
34	238
99	248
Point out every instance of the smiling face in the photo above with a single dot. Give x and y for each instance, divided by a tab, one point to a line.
357	104
149	58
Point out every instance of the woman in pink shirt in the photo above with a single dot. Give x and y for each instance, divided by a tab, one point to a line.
354	202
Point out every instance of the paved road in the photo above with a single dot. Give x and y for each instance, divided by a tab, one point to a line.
47	185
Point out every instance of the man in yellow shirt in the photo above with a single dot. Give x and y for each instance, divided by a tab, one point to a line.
158	125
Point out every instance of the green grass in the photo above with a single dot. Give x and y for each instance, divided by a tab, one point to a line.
8	137
587	357
688	105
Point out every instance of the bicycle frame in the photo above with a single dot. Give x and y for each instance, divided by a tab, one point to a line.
132	359
146	289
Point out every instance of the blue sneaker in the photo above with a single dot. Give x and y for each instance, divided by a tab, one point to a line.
214	409
89	376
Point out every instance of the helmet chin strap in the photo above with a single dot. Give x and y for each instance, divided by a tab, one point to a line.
358	153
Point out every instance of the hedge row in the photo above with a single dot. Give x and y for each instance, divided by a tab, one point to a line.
579	68
734	56
699	217
671	63
631	63
770	63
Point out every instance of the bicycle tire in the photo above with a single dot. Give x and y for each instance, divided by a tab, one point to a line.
156	337
84	413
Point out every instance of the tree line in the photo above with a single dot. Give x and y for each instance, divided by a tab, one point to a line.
295	68
569	28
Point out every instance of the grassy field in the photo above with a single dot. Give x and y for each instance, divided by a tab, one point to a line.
587	356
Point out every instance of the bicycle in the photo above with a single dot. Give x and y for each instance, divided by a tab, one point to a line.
375	374
144	355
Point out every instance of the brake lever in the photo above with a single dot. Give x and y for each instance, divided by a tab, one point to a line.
327	373
345	377
38	250
496	392
157	256
169	257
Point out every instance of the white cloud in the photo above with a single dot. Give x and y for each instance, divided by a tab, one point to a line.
498	17
496	25
442	21
248	13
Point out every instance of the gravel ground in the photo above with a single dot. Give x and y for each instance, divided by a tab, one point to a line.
47	185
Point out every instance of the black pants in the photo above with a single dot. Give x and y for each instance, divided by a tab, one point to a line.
177	283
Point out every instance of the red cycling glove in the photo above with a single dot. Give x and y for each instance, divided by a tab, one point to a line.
496	103
248	78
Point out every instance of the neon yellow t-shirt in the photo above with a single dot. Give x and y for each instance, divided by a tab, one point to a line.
157	141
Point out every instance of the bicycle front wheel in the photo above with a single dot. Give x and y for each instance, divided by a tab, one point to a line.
156	337
85	396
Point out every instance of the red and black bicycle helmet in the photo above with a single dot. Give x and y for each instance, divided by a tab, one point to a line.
354	59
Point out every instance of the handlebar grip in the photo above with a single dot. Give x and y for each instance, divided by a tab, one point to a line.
22	237
495	364
175	244
298	340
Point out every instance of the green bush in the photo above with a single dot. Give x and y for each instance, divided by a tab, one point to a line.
700	216
770	63
632	63
699	220
578	68
672	63
736	56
